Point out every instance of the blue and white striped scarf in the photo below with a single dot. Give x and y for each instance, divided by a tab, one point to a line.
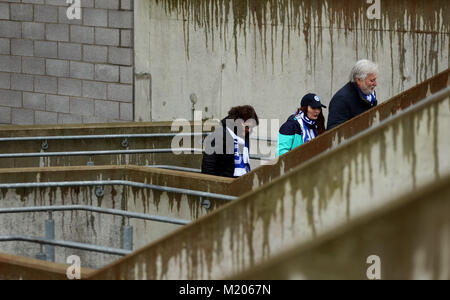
309	128
370	99
241	158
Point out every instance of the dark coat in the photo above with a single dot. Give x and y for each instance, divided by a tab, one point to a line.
218	157
345	105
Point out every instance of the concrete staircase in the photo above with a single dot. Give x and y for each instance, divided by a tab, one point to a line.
367	164
397	157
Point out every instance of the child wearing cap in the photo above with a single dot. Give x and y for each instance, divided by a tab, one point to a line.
306	124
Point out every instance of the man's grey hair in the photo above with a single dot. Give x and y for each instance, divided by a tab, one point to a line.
362	69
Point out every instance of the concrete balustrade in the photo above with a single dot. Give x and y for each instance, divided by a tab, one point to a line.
410	238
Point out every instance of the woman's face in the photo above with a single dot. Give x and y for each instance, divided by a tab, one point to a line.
313	113
248	126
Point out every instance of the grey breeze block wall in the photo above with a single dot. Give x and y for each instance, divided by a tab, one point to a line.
55	70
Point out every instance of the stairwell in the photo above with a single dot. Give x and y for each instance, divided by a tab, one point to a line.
397	157
369	163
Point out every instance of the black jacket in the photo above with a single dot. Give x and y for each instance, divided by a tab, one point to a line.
218	157
345	105
291	127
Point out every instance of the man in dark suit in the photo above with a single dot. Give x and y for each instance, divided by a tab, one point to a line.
355	97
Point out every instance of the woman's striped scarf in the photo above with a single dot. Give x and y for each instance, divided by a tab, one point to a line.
308	126
241	158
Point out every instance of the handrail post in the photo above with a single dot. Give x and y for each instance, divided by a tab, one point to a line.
127	241
90	162
41	255
50	235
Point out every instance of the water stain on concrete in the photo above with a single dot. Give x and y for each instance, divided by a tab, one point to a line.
425	23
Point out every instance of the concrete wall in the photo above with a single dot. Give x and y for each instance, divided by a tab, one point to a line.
395	159
94	228
411	237
268	55
55	71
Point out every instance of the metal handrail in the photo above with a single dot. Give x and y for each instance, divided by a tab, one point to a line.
92	137
114	136
116	182
108	211
110	152
265	158
64	244
257	138
92	153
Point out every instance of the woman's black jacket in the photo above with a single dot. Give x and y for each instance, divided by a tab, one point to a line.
218	156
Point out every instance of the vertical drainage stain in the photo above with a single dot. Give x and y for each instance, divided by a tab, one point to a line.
348	193
409	146
383	162
4	192
436	139
416	19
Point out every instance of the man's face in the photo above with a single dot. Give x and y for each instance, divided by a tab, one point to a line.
369	84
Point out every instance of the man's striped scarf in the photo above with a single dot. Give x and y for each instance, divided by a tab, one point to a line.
370	99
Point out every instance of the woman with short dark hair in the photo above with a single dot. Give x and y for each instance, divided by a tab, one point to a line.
306	124
227	148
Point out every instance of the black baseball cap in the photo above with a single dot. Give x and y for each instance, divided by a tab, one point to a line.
312	100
